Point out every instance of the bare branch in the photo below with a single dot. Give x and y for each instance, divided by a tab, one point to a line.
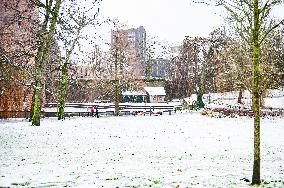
271	29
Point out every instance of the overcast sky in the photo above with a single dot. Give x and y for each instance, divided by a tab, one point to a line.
168	19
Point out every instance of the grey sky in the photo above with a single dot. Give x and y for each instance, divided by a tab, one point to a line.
168	19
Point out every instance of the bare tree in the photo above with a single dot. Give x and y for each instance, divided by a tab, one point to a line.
46	33
118	57
251	18
72	25
125	56
186	71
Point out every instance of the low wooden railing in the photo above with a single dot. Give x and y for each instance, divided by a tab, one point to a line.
26	114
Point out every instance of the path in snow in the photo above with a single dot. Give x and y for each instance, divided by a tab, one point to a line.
162	151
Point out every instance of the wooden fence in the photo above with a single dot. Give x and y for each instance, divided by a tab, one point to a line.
103	110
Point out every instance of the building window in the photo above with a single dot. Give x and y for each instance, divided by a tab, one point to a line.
154	98
19	24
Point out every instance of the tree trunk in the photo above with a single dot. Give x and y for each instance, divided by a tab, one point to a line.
240	96
35	107
262	97
41	58
117	98
64	78
199	102
32	106
35	115
62	92
5	106
256	94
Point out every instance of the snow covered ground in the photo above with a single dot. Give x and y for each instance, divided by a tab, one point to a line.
181	150
274	99
275	102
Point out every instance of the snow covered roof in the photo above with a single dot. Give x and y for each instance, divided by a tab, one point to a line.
155	90
149	90
134	93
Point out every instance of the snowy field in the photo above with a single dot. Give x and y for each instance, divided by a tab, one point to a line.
274	99
182	150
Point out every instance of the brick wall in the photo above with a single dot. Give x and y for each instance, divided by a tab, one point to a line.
17	27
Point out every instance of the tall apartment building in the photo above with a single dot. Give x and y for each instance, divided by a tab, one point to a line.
17	34
137	37
133	43
159	68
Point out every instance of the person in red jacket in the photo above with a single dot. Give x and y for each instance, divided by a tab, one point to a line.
92	111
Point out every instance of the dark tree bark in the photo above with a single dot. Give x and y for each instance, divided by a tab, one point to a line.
256	92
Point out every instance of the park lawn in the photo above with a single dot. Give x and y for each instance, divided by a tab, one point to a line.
181	150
